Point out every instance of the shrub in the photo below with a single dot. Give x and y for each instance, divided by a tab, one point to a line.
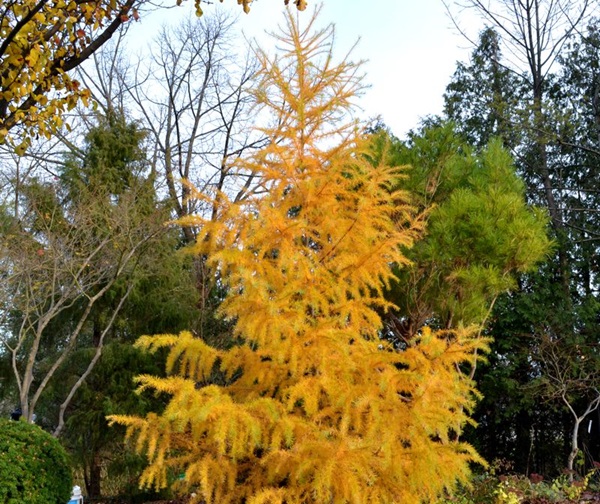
489	488
33	466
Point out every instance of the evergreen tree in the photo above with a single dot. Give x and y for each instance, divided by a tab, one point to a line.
112	175
484	98
556	152
311	406
480	232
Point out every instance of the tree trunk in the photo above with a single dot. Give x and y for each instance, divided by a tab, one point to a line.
574	448
94	478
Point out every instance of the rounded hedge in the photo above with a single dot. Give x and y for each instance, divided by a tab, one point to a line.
33	466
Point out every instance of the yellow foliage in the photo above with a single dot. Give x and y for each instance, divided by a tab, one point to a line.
41	42
316	407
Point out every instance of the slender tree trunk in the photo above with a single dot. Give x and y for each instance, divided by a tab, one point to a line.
574	448
544	172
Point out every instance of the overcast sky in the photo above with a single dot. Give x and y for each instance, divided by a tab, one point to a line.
411	47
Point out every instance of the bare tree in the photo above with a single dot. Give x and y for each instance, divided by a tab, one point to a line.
58	261
571	375
192	98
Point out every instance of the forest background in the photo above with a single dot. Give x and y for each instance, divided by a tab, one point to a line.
88	265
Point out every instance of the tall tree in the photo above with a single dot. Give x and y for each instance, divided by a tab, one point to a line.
313	406
484	98
535	31
556	154
195	103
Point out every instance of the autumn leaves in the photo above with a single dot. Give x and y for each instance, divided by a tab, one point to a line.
309	405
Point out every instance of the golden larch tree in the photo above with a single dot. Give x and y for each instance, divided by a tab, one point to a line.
313	406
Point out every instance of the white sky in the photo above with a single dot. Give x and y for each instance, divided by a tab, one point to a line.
411	47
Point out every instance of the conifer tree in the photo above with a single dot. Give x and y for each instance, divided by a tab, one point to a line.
311	406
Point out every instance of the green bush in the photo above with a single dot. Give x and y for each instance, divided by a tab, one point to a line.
33	466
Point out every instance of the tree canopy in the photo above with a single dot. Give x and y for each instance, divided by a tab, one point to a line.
320	294
311	405
480	233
